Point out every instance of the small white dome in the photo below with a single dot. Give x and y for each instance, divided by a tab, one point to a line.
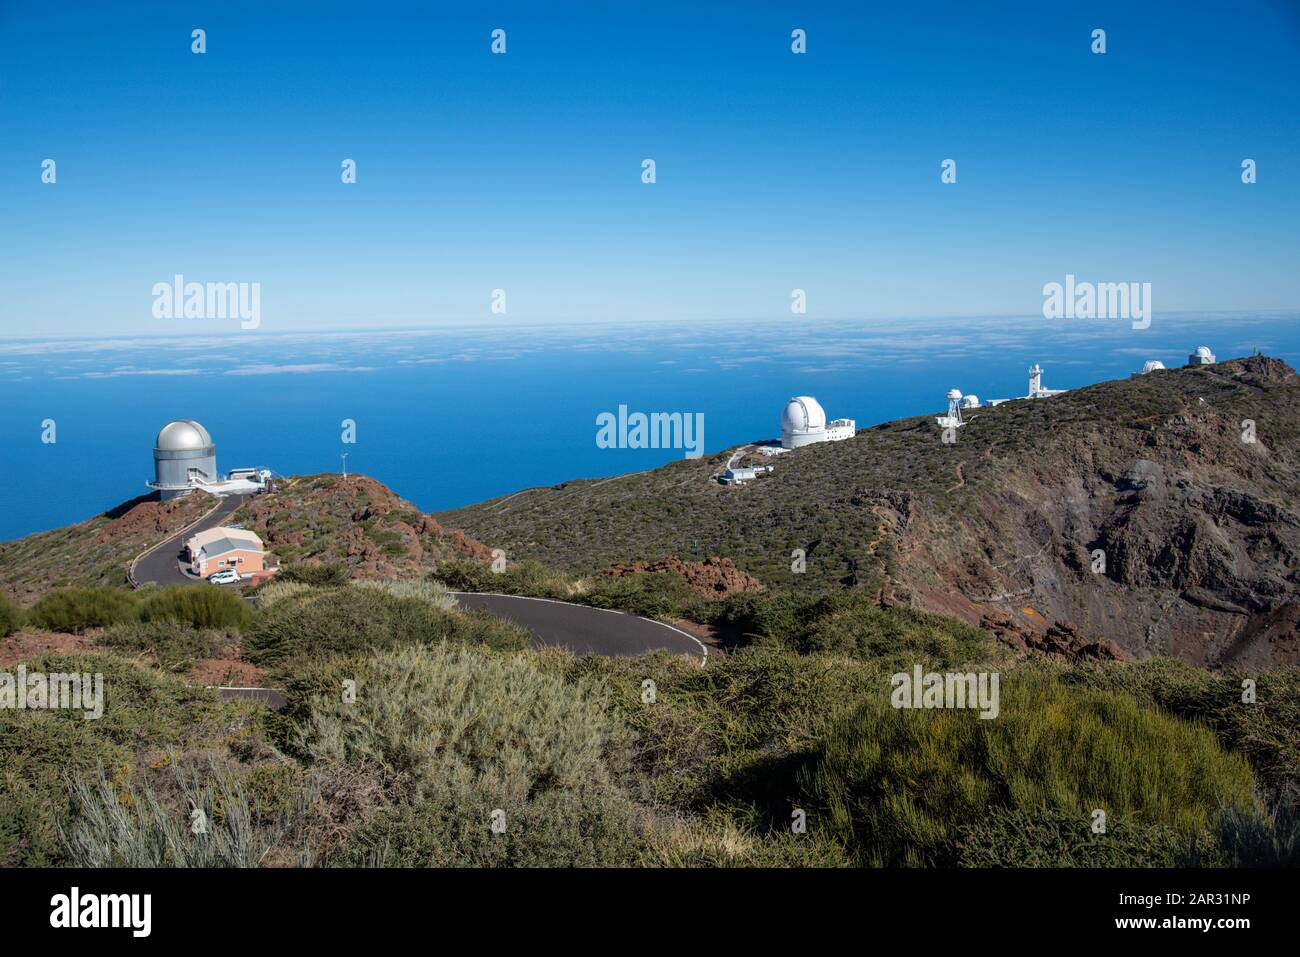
970	402
954	394
183	435
1204	352
803	413
1151	365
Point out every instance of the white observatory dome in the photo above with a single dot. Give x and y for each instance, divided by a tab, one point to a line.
803	413
183	435
1203	352
1151	365
970	402
803	422
954	395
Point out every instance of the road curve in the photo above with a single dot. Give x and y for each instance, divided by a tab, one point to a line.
160	564
584	630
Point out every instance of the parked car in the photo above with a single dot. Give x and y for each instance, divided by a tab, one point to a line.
227	576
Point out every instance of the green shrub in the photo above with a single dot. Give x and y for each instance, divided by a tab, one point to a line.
42	750
452	717
654	595
195	606
897	784
273	590
1266	730
518	578
554	829
434	593
1242	837
350	619
73	610
320	574
11	617
175	647
850	622
732	731
1051	837
118	826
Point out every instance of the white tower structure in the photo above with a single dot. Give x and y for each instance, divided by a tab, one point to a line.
1036	390
953	419
1201	357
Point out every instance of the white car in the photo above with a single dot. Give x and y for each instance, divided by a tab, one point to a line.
227	576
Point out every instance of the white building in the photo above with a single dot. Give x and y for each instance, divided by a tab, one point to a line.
1151	365
804	422
1201	357
1036	390
743	474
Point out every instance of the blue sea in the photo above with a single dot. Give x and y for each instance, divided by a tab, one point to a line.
451	416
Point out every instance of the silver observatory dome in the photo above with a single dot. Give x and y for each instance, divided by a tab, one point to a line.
184	456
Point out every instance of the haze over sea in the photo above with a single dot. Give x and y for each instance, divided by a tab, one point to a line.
451	416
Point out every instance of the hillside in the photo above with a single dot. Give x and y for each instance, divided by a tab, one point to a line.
1200	529
96	551
357	522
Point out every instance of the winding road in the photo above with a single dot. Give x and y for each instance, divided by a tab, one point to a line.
584	630
161	564
581	629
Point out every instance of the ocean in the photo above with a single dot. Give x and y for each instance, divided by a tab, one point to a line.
451	416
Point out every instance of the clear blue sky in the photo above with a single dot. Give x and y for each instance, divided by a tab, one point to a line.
522	171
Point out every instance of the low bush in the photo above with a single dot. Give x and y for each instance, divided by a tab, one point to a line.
434	593
518	578
175	647
1266	728
350	619
117	826
320	574
452	717
554	829
195	607
851	622
11	617
145	715
1242	837
898	784
1051	837
73	610
659	595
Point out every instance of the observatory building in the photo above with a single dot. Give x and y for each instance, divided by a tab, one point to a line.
804	422
185	459
184	456
1201	357
1151	365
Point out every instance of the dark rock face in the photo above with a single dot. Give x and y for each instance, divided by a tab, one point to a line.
1175	534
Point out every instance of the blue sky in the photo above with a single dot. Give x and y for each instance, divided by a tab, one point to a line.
522	171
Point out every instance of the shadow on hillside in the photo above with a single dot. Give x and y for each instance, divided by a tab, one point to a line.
119	510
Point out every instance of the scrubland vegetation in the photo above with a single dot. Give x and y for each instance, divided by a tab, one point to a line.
418	735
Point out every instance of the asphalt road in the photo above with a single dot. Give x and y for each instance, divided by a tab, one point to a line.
585	630
160	565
